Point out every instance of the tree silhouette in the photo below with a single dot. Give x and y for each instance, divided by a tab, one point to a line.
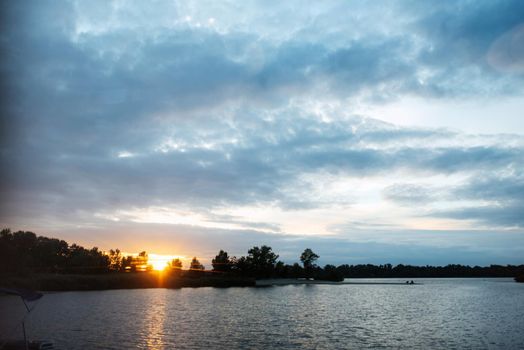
297	270
175	264
308	259
261	261
85	260
50	254
331	273
196	265
240	265
138	263
126	263
221	262
115	260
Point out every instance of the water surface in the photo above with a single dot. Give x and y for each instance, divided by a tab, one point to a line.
439	314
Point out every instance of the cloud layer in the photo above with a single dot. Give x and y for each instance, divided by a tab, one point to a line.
244	118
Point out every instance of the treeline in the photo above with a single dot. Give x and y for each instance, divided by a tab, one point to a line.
452	270
26	252
250	266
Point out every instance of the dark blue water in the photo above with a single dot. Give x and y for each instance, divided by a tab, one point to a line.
440	314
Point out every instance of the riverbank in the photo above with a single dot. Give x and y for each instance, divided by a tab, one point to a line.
154	279
299	281
72	282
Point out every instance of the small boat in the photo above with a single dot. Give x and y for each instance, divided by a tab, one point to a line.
26	295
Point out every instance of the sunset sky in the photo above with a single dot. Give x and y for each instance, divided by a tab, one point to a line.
369	131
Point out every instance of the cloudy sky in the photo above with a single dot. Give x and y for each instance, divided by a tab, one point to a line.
370	131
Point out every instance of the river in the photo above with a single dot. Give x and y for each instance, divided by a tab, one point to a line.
436	314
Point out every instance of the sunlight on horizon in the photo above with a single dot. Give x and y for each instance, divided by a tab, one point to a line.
160	261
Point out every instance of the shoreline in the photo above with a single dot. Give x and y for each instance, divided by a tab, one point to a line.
93	282
291	281
72	282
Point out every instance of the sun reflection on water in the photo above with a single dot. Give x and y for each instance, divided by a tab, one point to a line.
155	321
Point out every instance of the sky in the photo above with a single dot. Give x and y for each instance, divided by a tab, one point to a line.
370	131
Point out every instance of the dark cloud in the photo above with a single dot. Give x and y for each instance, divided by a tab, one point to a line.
240	174
464	31
370	64
452	159
214	118
499	199
456	39
123	75
502	188
99	89
504	198
489	215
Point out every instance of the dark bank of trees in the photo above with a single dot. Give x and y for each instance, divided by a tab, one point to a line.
452	270
26	252
23	251
262	263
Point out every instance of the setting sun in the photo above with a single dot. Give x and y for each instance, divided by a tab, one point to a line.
160	262
159	265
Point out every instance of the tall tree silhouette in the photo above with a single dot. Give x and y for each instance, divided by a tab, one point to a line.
175	264
221	262
308	259
115	260
196	265
262	261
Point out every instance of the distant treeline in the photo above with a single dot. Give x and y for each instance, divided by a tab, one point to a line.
452	270
26	252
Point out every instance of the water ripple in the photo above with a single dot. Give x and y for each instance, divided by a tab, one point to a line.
440	314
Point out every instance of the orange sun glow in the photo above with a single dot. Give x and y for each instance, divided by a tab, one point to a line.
160	262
